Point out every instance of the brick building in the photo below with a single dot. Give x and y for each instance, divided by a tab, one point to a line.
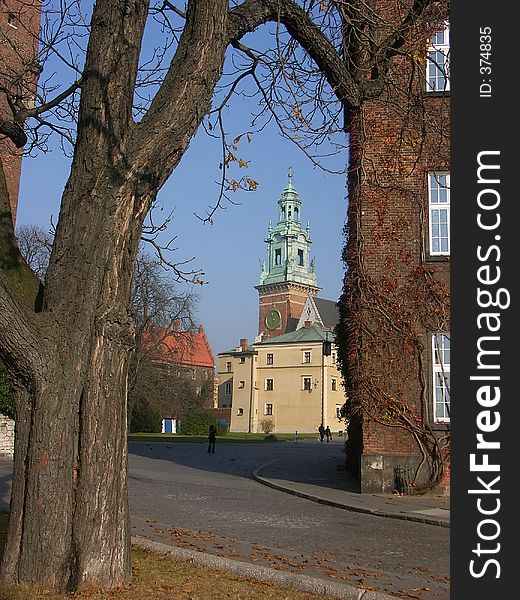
185	359
19	27
395	304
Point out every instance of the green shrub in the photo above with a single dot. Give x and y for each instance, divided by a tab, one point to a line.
198	423
270	438
7	403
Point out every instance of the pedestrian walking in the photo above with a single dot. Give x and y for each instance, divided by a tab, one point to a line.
328	434
212	436
321	431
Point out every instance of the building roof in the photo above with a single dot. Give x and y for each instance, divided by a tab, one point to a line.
185	348
314	333
328	311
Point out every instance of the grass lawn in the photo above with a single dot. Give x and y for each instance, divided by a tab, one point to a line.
235	438
158	577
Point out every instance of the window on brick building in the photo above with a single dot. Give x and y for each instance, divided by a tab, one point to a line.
269	359
269	385
438	61
439	213
441	377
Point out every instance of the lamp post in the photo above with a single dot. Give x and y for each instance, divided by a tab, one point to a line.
326	351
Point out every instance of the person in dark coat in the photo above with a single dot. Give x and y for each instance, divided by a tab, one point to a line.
212	436
321	431
328	434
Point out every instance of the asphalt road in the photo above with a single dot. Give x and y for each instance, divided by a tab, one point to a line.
183	496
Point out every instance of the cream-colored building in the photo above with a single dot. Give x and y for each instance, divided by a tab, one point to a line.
289	376
291	380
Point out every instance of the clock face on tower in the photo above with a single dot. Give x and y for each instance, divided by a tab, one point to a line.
273	319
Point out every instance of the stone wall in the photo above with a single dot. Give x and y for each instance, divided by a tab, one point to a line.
6	436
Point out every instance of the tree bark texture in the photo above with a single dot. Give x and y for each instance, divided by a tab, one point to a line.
69	521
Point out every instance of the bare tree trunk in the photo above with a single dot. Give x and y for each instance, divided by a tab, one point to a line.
69	523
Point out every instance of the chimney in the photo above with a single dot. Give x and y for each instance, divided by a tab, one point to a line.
243	344
307	324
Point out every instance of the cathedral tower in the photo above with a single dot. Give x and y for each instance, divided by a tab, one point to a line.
288	276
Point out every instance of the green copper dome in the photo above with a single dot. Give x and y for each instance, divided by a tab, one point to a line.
288	243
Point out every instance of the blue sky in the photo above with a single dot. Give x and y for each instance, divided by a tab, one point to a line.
230	250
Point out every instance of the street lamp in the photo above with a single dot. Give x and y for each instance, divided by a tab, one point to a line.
327	345
326	351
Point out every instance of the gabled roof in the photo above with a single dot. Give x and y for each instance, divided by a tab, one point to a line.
319	311
185	348
328	311
302	335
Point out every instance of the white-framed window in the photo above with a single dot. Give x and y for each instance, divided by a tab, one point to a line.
242	385
227	388
306	356
438	61
441	377
228	367
439	213
269	359
269	385
242	359
240	412
268	409
307	383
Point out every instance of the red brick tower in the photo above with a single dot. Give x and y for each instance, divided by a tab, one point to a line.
288	277
19	27
395	305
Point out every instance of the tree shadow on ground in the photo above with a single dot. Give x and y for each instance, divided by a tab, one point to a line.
304	462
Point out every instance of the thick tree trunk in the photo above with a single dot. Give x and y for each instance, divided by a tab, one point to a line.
69	515
69	523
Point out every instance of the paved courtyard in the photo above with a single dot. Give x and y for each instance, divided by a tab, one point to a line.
182	496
